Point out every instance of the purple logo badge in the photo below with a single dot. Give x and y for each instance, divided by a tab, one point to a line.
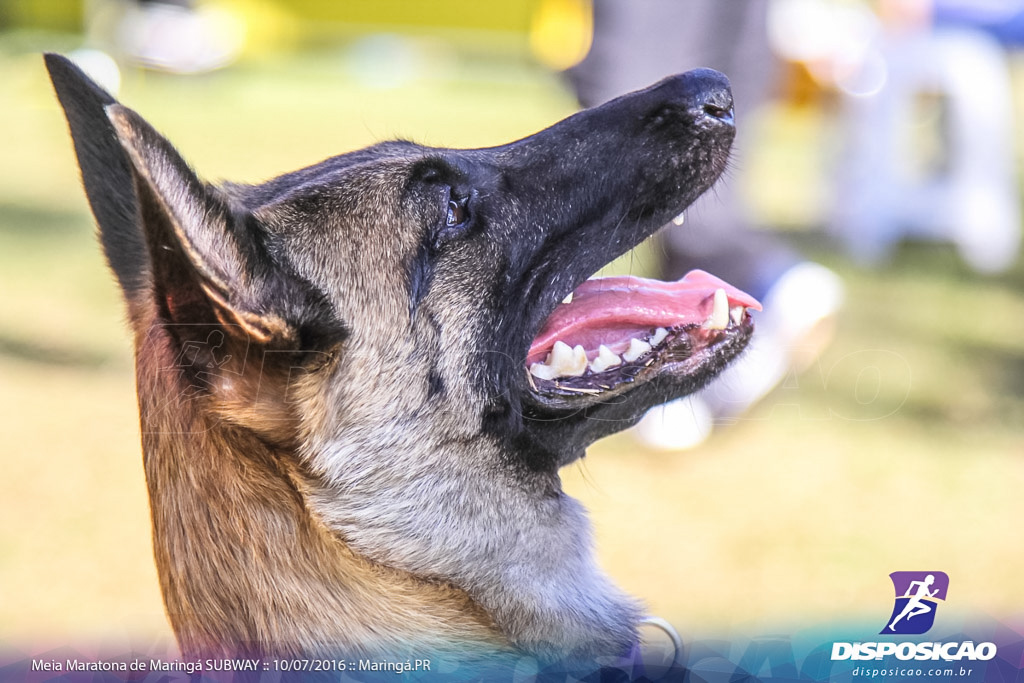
917	596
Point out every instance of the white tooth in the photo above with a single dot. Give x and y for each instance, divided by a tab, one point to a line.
543	371
736	313
659	336
566	361
636	349
579	362
719	319
561	362
567	299
560	357
605	359
678	220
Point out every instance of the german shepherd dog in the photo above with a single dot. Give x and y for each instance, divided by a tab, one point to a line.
358	381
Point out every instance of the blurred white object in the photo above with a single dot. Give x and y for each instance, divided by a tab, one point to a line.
821	34
100	67
676	425
180	39
798	322
972	198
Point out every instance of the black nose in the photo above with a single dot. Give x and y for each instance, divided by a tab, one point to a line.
705	93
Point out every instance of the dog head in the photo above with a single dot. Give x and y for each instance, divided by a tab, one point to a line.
429	276
392	321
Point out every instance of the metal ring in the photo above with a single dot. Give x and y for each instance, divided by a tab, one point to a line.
677	642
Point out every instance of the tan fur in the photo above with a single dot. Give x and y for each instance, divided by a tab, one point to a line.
224	500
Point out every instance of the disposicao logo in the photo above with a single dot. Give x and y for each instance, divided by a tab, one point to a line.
917	596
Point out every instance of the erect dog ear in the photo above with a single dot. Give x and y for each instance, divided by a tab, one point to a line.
203	256
173	242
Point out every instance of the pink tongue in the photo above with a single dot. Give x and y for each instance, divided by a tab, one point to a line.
612	309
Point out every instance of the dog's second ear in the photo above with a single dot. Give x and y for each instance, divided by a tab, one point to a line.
173	242
204	258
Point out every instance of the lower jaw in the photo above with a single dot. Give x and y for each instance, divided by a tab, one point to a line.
688	358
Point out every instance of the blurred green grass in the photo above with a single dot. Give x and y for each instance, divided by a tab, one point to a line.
798	511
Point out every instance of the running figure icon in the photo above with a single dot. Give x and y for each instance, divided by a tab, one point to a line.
916	605
917	595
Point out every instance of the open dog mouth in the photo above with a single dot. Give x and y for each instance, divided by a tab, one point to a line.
655	340
612	333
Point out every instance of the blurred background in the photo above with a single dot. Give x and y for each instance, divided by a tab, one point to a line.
873	203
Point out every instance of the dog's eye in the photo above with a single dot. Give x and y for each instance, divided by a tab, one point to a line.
458	212
458	221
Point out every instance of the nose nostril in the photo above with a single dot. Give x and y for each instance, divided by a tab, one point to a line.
717	112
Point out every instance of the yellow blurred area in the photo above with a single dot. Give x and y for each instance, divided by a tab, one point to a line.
561	32
268	26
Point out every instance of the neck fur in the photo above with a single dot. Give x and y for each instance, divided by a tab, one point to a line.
244	565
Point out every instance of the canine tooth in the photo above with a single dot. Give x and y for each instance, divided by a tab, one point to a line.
719	319
659	336
736	313
605	359
567	299
636	349
678	220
